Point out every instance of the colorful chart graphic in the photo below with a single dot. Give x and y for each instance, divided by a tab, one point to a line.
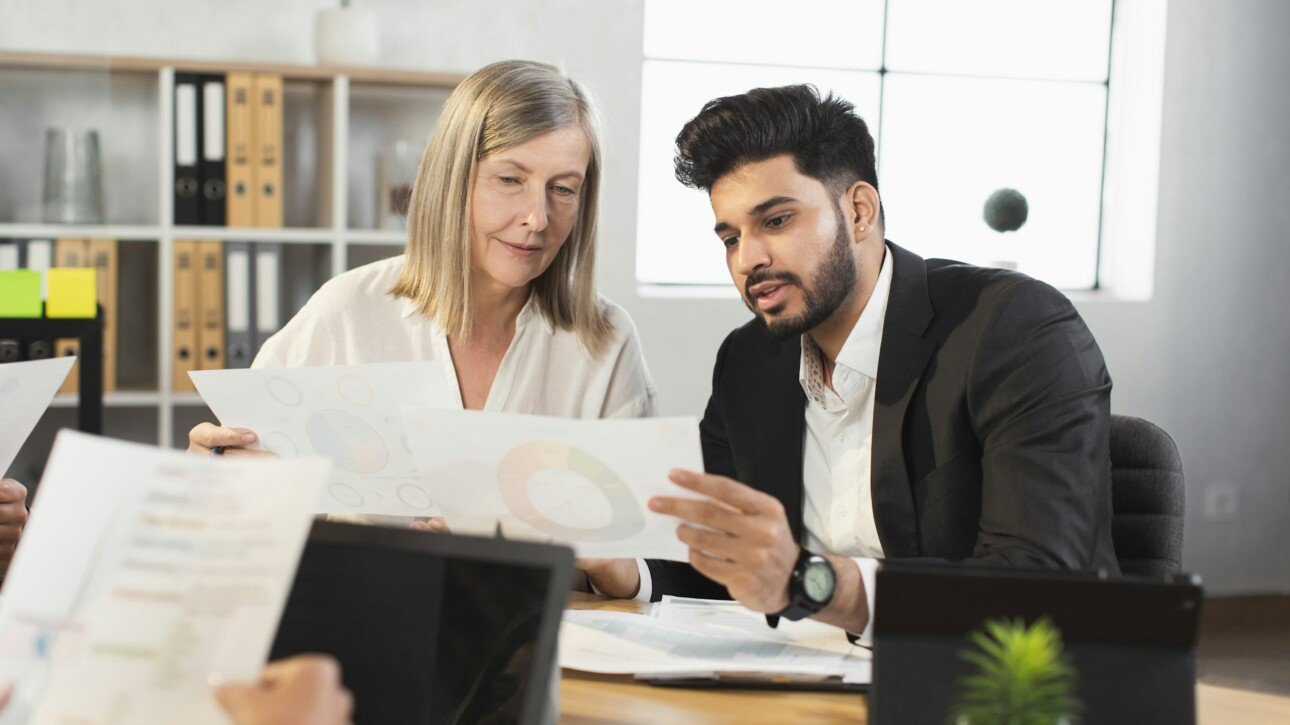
582	498
413	496
284	391
346	494
281	444
355	391
347	441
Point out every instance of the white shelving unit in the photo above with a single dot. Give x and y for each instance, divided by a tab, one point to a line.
416	99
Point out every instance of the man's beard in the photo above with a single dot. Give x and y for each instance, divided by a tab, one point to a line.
831	285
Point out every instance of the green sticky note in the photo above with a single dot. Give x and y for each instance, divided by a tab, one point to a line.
71	293
20	293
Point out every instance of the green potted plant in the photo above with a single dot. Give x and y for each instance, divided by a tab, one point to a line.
1021	677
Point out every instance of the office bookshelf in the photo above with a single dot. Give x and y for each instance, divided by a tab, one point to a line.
334	120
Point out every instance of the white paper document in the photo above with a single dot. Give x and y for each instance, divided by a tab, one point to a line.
348	414
623	643
141	573
725	616
585	483
26	388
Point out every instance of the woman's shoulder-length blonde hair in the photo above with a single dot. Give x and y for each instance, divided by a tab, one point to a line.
500	106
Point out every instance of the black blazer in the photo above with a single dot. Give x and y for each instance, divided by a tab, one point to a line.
991	425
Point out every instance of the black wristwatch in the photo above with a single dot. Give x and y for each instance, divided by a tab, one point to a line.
810	588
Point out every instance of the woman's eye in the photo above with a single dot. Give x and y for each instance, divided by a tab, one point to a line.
508	180
564	190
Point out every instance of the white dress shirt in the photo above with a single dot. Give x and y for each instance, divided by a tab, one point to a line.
546	371
837	453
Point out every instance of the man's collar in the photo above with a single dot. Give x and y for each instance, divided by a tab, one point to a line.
862	346
860	351
864	342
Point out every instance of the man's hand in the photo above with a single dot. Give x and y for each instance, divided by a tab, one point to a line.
302	690
617	578
13	516
747	544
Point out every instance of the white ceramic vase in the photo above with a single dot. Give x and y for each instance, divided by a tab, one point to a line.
345	37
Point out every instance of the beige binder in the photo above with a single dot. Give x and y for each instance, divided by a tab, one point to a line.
210	305
241	148
183	356
267	160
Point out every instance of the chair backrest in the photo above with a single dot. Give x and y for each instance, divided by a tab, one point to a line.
1147	497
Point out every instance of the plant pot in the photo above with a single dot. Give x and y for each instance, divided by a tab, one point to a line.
345	37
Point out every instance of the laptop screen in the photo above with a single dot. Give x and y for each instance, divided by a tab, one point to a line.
429	628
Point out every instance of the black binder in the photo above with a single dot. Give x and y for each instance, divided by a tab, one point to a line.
213	137
187	148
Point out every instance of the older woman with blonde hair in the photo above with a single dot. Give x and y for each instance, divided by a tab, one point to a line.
498	281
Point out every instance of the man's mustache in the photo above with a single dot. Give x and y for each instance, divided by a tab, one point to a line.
758	278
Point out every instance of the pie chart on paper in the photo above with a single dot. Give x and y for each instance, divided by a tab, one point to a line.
350	443
567	493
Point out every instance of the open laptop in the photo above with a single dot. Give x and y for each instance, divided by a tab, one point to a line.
1130	640
431	628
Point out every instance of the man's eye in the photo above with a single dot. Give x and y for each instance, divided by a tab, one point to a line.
730	241
778	221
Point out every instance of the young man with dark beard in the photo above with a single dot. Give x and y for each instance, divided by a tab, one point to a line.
879	405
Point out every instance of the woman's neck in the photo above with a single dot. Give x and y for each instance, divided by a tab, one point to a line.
494	309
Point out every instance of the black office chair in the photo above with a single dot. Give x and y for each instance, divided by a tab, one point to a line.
1147	498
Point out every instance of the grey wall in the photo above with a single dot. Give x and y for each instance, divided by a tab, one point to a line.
1206	358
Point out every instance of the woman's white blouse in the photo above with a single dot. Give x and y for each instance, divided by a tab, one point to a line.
546	371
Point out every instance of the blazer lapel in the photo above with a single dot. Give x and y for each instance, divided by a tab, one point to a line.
780	432
902	358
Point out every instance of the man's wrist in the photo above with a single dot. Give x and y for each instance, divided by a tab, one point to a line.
849	609
619	580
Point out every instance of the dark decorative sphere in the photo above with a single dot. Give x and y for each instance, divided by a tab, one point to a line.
1006	210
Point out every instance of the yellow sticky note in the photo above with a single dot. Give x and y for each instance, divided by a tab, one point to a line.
71	293
20	293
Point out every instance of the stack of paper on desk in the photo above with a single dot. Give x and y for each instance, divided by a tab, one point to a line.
683	642
143	572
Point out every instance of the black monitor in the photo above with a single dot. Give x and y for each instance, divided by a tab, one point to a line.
1130	640
430	628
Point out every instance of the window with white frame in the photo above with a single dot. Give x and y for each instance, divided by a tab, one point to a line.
965	98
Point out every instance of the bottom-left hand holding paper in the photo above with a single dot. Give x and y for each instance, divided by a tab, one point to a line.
142	573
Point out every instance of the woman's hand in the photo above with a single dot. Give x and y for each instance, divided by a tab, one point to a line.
206	436
434	524
303	690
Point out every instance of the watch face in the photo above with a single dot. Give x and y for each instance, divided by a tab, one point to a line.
817	582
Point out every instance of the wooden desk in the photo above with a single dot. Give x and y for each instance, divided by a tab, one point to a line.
586	698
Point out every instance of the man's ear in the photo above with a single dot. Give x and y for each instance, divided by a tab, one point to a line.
862	208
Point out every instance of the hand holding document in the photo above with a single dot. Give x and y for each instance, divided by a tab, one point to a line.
348	414
143	572
25	391
585	483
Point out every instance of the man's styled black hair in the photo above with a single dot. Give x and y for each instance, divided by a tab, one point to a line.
825	137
